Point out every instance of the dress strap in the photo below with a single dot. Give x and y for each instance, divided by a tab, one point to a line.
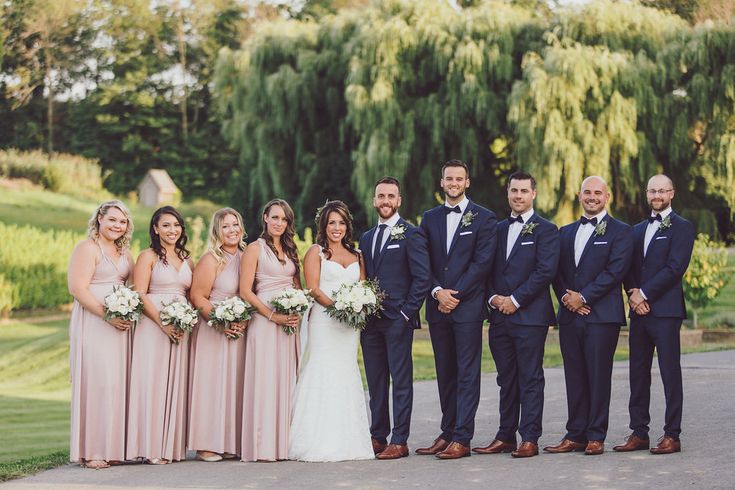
321	252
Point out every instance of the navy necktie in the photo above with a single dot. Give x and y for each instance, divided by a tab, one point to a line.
658	217
584	220
455	209
517	219
379	241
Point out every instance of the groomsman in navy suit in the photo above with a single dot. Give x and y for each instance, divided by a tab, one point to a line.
520	315
663	245
461	238
595	256
396	256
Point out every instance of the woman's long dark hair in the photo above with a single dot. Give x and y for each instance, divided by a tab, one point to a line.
287	239
156	246
322	220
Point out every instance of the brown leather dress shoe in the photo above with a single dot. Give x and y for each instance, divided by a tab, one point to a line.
496	447
393	451
526	450
378	447
438	446
455	450
667	445
594	448
632	443
565	446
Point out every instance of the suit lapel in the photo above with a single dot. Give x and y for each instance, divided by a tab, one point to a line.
385	247
591	239
655	235
443	230
369	240
517	244
468	209
503	237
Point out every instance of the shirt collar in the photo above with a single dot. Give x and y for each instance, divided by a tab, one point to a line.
526	216
391	222
462	204
663	213
600	216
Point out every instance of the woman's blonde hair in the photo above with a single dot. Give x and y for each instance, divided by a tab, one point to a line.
215	234
93	226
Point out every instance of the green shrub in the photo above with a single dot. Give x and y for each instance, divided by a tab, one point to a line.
33	263
68	174
707	274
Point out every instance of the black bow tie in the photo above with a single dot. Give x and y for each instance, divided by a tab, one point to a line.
517	219
584	220
658	217
455	209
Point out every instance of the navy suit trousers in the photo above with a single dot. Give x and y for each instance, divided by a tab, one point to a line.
457	355
386	350
518	351
646	333
588	350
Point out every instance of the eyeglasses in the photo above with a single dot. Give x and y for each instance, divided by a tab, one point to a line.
660	192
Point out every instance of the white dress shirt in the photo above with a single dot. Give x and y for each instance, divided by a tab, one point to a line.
453	220
651	230
584	232
391	223
514	231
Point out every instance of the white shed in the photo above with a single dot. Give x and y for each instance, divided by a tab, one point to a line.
158	188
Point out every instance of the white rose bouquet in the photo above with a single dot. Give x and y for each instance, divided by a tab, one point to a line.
227	311
355	303
291	301
180	314
124	303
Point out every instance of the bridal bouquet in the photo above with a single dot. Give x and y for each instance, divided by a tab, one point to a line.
123	303
291	301
227	311
355	302
180	314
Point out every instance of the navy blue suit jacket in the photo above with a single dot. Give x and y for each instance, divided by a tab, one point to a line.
402	271
599	277
527	274
659	273
466	267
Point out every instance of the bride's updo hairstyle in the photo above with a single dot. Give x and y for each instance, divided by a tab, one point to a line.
322	219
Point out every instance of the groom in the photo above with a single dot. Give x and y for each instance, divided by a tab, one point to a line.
396	256
461	237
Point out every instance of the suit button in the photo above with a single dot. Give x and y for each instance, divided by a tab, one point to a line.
446	268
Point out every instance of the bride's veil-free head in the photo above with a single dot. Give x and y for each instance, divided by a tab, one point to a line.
322	220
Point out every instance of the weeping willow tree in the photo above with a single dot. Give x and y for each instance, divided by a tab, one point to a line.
322	110
624	91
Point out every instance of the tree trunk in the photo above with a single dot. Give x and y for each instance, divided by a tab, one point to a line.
695	318
182	60
49	113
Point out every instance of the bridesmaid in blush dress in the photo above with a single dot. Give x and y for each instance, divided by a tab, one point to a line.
216	375
159	367
269	265
99	351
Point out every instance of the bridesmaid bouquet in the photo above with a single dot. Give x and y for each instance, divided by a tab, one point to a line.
123	303
180	314
291	301
354	303
227	311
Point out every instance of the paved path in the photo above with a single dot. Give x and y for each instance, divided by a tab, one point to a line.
706	460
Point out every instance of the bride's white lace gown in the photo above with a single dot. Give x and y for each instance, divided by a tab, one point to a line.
330	420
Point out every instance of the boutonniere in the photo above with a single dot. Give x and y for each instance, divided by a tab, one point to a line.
601	228
467	219
528	228
665	223
398	232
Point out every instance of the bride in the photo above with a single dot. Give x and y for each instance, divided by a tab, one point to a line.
330	416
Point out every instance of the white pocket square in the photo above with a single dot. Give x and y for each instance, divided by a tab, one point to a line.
526	243
465	233
661	237
395	245
599	243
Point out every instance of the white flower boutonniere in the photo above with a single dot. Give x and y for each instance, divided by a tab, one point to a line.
666	223
601	228
467	219
528	228
398	232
